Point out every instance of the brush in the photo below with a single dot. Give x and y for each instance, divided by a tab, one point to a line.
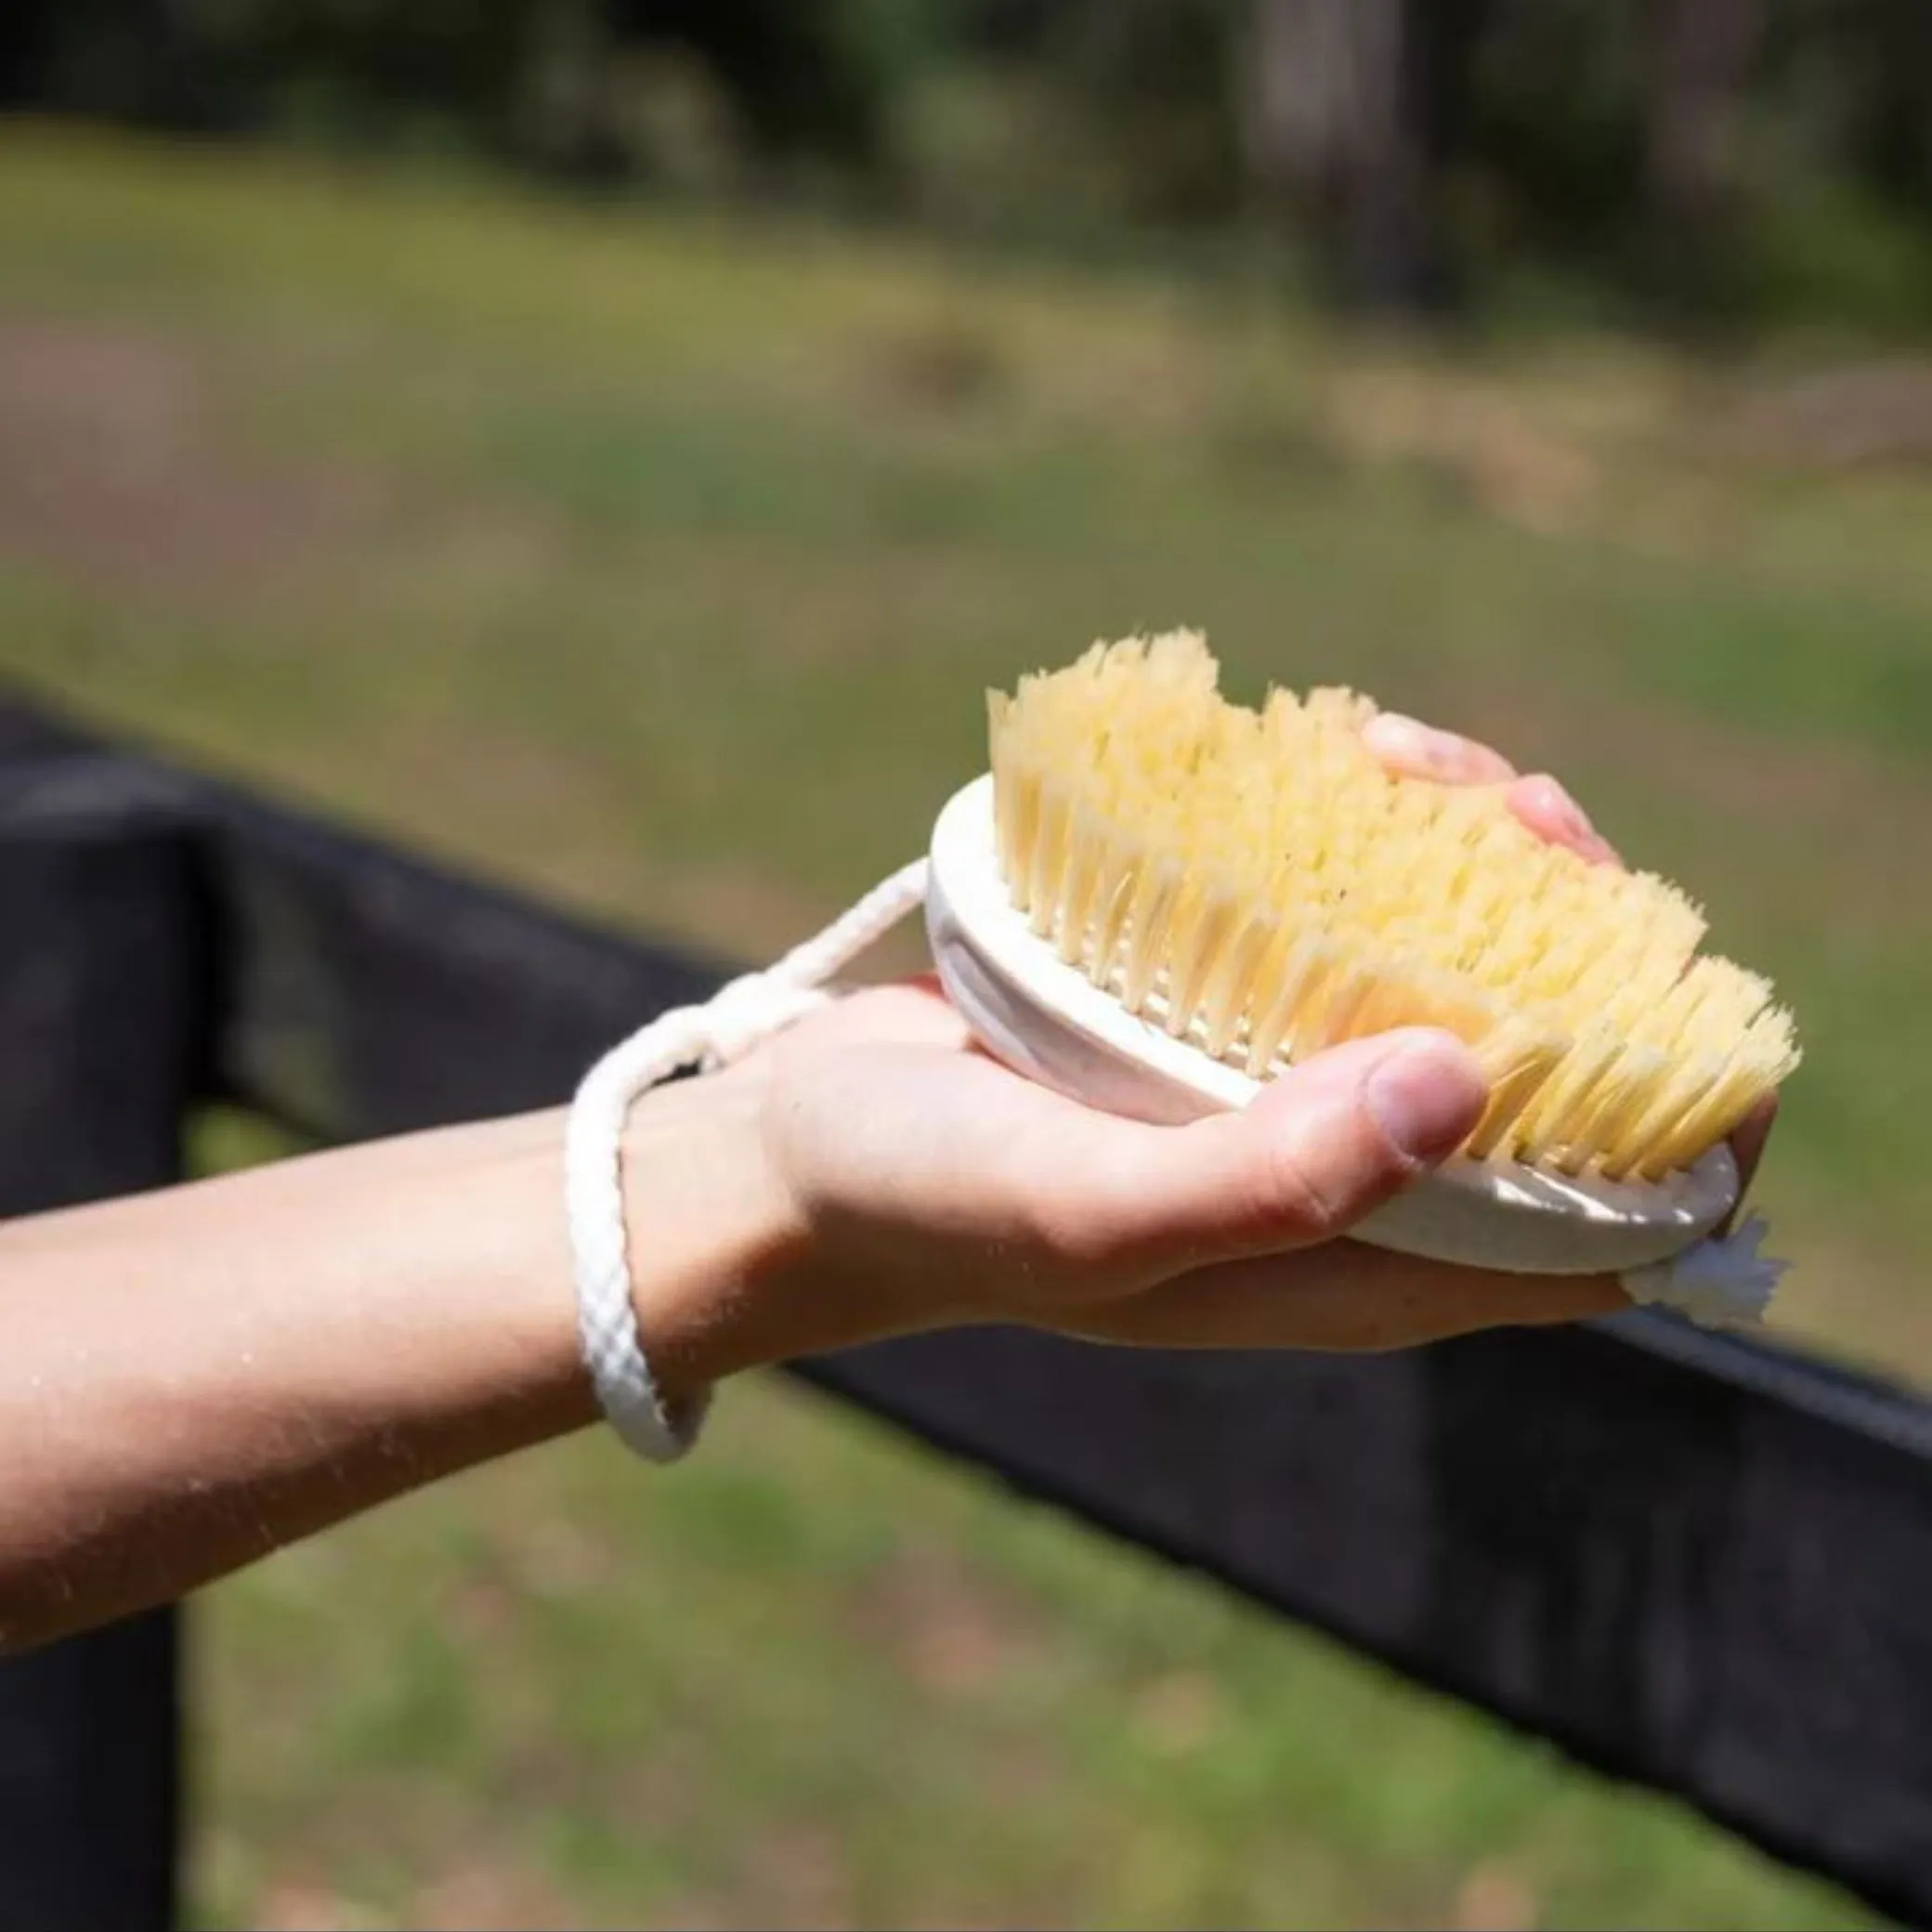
1155	901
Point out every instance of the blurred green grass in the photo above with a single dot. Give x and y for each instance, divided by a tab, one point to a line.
658	566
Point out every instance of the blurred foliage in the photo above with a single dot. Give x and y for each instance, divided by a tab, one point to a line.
654	564
1689	150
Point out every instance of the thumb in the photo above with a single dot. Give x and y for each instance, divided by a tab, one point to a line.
1316	1150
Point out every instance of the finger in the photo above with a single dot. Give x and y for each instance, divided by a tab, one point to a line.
1319	1148
1418	751
1346	1296
1545	806
1747	1145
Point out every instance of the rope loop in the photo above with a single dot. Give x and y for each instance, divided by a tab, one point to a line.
737	1019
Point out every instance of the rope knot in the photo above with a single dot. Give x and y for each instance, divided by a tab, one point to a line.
747	1010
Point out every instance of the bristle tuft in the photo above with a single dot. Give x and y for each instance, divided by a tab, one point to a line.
1256	883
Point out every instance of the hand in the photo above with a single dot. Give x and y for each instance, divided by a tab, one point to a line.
939	1188
928	1186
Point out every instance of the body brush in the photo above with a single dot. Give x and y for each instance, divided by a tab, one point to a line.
1156	900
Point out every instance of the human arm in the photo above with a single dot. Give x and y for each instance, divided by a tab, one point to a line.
195	1377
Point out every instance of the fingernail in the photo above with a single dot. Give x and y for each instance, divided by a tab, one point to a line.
1566	815
1427	1096
1570	824
1417	748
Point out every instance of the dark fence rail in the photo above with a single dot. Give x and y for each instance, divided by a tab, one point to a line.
1696	1563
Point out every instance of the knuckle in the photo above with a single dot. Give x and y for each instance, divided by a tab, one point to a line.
1060	1226
1299	1193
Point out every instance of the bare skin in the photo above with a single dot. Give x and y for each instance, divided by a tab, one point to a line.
198	1376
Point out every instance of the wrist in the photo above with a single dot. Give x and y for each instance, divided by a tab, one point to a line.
712	1230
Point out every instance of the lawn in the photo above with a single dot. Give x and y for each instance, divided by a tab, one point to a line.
657	566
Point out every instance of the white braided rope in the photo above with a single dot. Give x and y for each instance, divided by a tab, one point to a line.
725	1028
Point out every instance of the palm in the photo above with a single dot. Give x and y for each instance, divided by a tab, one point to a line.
1029	1191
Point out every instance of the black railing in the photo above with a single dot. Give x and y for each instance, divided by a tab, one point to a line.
1696	1563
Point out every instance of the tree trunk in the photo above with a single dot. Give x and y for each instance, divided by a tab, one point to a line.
1700	54
1894	139
1349	111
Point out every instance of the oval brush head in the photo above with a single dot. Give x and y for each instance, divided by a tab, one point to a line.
1157	901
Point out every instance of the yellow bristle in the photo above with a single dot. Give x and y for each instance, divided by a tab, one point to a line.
1254	882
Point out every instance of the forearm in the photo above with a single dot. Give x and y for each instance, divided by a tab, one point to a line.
195	1377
